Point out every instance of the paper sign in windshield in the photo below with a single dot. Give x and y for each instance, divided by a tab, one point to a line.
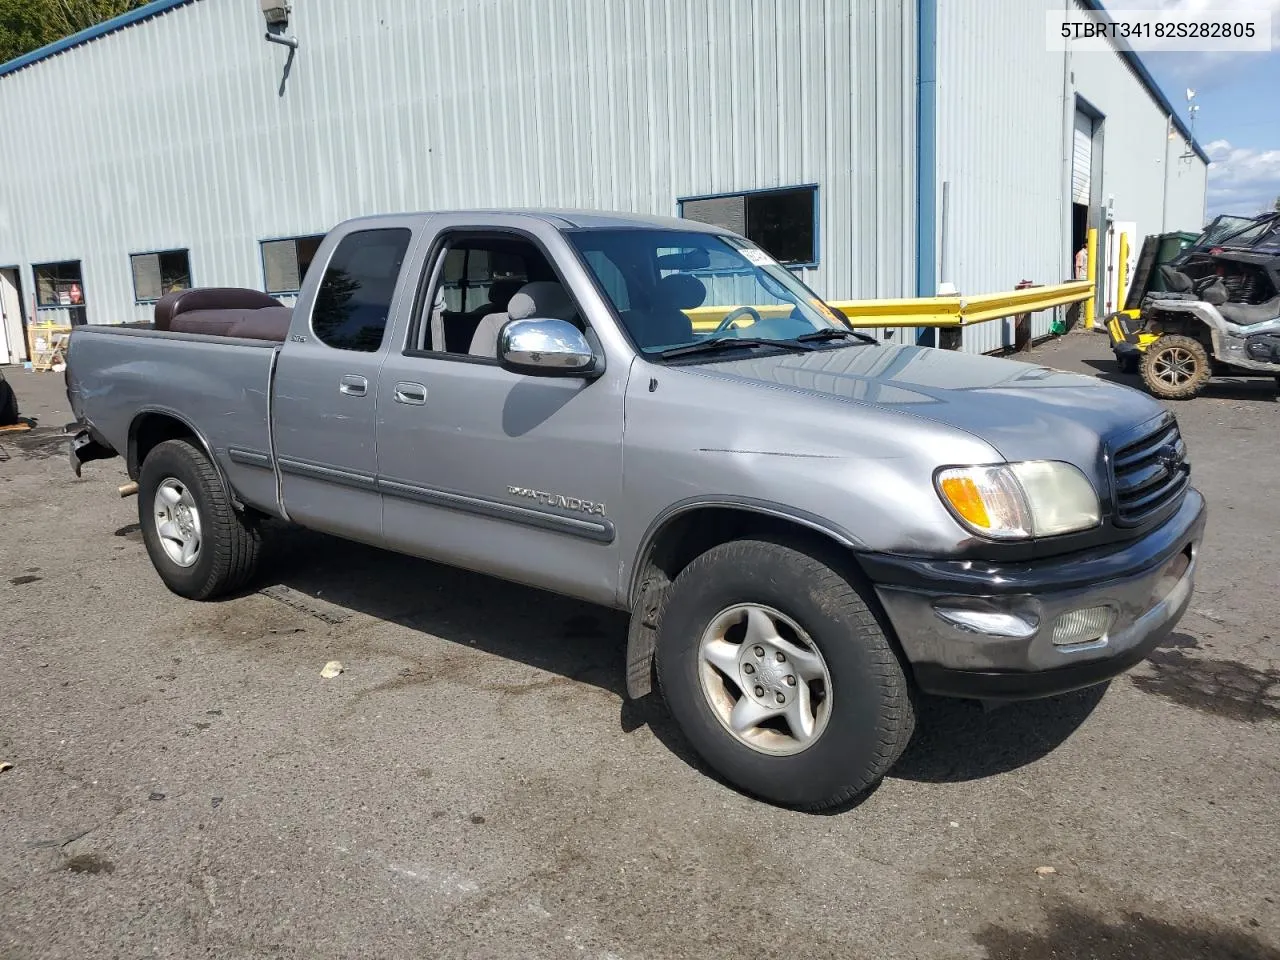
758	257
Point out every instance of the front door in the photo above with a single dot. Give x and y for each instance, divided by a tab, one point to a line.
12	337
325	389
509	474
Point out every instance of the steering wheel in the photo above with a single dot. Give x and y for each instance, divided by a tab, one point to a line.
737	314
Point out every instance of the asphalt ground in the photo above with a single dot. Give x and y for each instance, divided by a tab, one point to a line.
184	783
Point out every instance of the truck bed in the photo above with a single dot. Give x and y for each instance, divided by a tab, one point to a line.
218	386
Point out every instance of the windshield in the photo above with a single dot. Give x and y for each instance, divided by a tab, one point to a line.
1252	234
673	288
1224	227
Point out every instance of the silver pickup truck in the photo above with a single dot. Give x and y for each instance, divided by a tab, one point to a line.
807	526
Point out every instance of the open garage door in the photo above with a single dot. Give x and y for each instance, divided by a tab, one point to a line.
1082	159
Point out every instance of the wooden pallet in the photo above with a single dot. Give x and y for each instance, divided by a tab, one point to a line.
46	345
16	428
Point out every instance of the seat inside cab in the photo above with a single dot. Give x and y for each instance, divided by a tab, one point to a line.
481	276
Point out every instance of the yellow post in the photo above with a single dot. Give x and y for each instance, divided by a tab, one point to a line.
1122	271
1090	305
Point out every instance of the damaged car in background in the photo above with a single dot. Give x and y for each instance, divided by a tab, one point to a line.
1215	311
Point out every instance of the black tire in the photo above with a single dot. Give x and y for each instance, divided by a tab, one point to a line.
870	716
229	542
8	404
1185	352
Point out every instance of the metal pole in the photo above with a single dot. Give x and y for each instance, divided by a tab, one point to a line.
1091	253
944	271
1164	199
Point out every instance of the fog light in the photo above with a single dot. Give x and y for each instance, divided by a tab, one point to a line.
1082	626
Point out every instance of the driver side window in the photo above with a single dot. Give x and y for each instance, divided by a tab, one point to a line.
482	282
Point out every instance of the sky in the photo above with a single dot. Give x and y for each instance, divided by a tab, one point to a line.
1238	123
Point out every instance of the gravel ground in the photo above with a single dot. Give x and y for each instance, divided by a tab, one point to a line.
184	784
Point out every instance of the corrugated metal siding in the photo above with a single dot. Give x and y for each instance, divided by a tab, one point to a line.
184	131
1141	167
1188	183
1000	149
1006	111
1134	139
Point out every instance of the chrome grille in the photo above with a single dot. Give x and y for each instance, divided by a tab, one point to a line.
1149	473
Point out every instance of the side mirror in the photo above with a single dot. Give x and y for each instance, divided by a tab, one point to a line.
547	348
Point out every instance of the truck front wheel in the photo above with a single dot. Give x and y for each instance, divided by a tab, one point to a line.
198	543
779	675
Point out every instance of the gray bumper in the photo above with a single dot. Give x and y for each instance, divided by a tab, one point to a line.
1147	586
85	445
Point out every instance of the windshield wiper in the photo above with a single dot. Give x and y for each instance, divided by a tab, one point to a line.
834	333
716	344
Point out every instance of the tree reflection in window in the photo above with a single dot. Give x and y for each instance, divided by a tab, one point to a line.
354	299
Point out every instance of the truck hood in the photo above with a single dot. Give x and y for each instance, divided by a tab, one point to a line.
1024	411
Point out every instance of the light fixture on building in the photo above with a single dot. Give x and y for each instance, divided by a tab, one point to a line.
276	13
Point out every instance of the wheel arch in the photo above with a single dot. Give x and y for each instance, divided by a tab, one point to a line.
152	426
688	529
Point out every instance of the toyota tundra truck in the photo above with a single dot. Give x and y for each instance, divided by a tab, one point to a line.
808	527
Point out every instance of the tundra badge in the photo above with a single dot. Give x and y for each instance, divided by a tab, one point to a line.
556	500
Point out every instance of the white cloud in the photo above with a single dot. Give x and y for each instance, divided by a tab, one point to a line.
1241	179
1198	67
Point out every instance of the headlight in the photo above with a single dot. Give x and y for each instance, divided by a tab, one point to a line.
1015	501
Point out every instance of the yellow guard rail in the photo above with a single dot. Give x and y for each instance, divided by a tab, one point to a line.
958	311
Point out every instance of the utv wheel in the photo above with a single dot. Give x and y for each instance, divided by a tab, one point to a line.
780	676
198	543
1175	368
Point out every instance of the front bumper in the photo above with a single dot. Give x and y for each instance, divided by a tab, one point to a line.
1146	584
1124	350
1122	331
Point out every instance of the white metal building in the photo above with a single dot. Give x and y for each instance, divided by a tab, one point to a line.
880	148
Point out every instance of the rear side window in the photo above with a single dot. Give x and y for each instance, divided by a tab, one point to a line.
354	299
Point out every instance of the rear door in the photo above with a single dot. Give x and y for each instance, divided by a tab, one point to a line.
325	389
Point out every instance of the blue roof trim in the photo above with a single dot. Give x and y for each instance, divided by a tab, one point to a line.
144	12
1149	82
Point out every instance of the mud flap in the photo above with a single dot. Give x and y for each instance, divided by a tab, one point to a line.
642	635
85	447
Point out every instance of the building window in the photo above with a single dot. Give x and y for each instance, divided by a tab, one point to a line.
354	298
783	222
59	284
285	262
155	274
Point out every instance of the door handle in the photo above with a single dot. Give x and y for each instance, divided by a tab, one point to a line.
353	386
414	394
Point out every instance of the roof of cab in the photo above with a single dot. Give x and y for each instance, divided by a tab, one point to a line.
567	219
593	219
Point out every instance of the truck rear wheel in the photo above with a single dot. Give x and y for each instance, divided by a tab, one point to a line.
198	543
1175	367
780	676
